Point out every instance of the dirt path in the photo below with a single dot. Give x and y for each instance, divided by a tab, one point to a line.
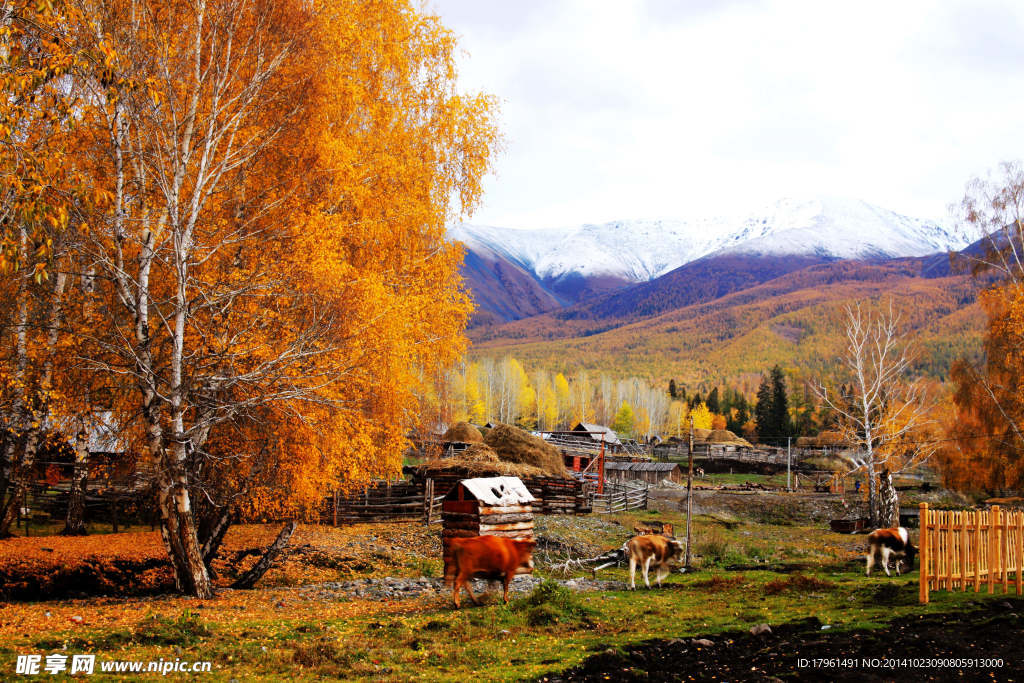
803	651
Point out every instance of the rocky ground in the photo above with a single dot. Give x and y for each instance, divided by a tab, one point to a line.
397	588
762	506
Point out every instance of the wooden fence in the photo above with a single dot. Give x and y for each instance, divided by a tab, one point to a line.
962	548
420	500
619	498
379	502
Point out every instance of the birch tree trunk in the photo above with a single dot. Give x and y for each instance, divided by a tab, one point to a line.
16	474
885	410
74	521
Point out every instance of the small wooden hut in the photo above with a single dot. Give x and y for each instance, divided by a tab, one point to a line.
650	472
489	506
596	434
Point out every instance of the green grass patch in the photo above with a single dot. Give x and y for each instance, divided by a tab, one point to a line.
551	603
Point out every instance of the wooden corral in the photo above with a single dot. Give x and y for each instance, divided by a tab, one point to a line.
491	506
649	472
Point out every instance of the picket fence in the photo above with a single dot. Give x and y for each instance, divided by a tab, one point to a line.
971	548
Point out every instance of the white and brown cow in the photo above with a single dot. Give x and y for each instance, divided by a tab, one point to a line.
648	550
890	543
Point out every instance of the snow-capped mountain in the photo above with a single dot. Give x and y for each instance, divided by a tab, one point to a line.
641	250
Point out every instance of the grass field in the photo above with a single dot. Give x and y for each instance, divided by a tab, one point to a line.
747	574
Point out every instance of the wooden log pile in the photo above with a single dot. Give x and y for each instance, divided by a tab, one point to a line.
511	521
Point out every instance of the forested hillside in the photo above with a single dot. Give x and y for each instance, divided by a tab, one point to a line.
793	320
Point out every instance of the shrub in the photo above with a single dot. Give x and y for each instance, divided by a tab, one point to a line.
757	553
715	550
551	593
712	548
551	603
543	615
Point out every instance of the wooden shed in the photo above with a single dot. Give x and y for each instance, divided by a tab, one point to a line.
650	472
490	506
597	433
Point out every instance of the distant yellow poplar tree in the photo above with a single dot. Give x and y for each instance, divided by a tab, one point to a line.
562	396
702	417
623	422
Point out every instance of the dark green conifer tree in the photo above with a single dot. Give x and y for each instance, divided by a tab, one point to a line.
779	420
763	410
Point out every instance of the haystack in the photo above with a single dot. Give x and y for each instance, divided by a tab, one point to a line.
727	438
721	436
701	434
463	432
830	438
480	460
516	446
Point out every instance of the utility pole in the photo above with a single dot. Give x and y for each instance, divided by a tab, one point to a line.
789	461
689	497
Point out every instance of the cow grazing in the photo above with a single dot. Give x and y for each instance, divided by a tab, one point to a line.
890	543
648	550
492	557
663	528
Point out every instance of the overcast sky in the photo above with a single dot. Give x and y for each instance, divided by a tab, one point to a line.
659	109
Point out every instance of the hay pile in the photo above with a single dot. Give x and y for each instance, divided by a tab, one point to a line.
701	434
463	432
721	436
516	446
506	451
826	438
831	438
480	460
724	436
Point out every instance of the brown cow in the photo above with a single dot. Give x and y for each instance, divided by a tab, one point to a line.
493	557
644	550
891	542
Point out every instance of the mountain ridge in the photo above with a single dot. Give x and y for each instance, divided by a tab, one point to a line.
578	265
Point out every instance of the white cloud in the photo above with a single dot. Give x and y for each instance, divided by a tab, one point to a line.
656	109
